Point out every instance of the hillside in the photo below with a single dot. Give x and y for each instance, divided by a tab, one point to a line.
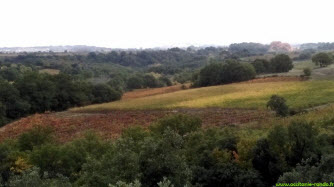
252	94
232	104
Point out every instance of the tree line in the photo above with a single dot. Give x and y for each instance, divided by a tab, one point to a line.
230	71
174	151
34	92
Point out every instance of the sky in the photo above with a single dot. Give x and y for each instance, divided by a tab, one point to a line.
163	23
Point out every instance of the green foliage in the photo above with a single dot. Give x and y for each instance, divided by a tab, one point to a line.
162	157
278	104
136	183
306	171
165	183
134	82
284	148
147	81
181	124
34	92
307	72
248	49
175	151
322	59
281	63
37	90
261	66
35	138
31	177
104	93
305	54
219	73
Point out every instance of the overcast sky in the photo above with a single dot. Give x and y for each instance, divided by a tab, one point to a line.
154	23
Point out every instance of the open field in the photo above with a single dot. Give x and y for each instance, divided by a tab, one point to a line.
254	95
324	73
50	71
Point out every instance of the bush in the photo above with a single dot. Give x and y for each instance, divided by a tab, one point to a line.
181	124
35	138
278	104
307	72
32	177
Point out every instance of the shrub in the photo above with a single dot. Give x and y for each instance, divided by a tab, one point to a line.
181	124
307	72
278	104
35	137
31	177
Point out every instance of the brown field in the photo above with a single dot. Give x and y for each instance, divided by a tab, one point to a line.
152	91
68	125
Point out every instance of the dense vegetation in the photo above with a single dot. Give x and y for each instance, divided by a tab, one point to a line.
233	71
175	150
222	73
33	92
322	59
278	64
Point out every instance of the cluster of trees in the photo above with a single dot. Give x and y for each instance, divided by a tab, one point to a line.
223	73
318	46
233	71
248	49
174	56
147	81
305	54
174	151
280	63
33	92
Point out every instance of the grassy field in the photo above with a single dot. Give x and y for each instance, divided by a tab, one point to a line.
299	94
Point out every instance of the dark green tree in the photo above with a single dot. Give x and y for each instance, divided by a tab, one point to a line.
281	63
278	104
322	59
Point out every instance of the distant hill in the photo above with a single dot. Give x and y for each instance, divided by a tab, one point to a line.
68	48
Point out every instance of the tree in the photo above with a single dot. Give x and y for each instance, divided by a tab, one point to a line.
134	82
104	93
234	71
322	59
37	90
210	75
281	63
150	81
306	171
181	124
278	104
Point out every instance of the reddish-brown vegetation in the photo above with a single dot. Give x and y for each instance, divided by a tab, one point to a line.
68	125
151	91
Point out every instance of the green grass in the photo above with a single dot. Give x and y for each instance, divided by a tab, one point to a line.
240	95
